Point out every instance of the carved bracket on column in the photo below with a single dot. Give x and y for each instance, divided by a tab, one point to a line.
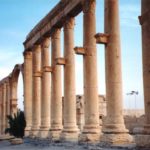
47	69
37	74
145	16
79	50
13	101
101	38
60	61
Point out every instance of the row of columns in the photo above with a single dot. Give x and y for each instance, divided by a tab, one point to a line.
42	82
6	108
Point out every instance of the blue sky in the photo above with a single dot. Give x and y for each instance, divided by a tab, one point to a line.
19	17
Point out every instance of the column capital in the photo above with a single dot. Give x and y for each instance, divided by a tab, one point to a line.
69	23
56	33
45	42
37	48
89	6
27	54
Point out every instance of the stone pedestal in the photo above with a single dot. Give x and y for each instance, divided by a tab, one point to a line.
70	130
36	105
114	129
28	91
56	98
46	84
91	130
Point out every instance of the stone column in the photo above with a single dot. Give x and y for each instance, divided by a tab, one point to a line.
114	128
70	130
56	98
45	101
28	90
36	100
7	100
91	130
3	107
145	22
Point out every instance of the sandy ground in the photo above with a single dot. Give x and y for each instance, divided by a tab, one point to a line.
30	144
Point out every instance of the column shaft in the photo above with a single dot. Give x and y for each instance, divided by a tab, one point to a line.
28	90
7	100
91	126
3	107
36	105
114	128
70	125
146	61
46	85
56	98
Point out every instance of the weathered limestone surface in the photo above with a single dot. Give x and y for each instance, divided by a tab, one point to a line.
46	94
1	109
142	137
91	130
3	106
28	90
70	130
36	106
56	97
114	129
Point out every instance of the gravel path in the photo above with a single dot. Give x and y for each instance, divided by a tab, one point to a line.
30	144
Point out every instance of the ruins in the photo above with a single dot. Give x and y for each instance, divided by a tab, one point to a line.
47	115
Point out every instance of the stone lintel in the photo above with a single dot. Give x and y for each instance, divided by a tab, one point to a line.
79	50
60	61
37	74
47	69
55	18
101	38
144	17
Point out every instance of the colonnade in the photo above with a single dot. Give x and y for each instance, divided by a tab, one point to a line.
46	114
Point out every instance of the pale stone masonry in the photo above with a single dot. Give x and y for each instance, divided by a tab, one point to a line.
47	115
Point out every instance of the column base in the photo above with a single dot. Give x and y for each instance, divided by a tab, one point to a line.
90	134
116	134
44	132
27	131
55	134
70	134
34	132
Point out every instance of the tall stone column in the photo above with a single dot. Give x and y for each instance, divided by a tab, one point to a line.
46	85
114	128
142	137
145	23
28	90
70	130
91	129
7	100
3	107
36	100
56	97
